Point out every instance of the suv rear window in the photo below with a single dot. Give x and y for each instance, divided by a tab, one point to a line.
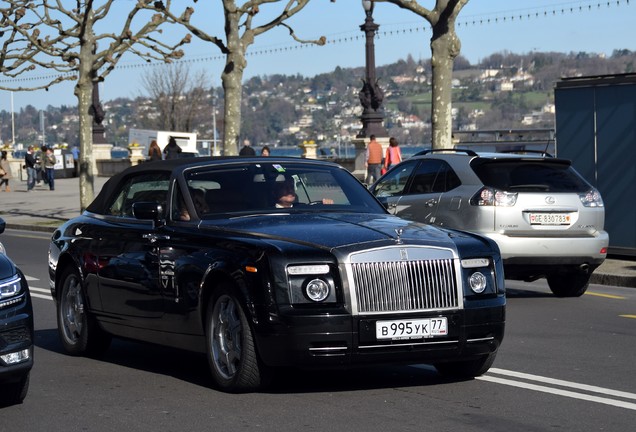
529	176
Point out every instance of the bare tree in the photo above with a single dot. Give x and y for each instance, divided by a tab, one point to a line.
48	35
179	96
240	32
445	47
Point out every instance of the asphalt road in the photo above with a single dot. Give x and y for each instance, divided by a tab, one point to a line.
565	364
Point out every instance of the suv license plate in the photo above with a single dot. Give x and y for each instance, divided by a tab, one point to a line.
549	219
411	329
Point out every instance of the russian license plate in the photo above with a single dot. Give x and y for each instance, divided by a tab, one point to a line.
549	219
411	329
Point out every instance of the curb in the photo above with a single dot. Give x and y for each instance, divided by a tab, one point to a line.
613	279
28	227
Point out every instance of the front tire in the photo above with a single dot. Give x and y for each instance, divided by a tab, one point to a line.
231	350
573	284
78	331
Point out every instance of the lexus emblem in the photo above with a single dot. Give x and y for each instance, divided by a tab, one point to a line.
550	200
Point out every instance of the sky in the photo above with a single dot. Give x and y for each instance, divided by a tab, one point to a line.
485	27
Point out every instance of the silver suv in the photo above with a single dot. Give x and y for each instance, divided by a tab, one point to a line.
545	218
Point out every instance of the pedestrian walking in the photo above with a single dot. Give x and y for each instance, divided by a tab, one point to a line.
374	160
154	152
75	152
40	174
172	150
5	172
393	154
49	167
247	149
30	165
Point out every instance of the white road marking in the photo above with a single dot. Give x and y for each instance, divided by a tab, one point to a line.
559	391
42	293
561	383
566	393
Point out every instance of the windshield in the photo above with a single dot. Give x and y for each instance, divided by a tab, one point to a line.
530	176
271	187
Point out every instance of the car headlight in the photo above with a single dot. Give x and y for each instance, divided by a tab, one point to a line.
10	291
478	275
308	269
10	288
310	284
477	282
317	290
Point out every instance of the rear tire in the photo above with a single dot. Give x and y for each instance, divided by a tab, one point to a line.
466	369
79	332
13	393
231	349
572	284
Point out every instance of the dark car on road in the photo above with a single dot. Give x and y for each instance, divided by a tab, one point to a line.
262	263
16	331
545	218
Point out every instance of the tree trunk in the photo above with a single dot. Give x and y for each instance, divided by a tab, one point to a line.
445	46
232	78
232	81
84	93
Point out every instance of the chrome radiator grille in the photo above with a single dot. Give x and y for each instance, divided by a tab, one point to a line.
405	285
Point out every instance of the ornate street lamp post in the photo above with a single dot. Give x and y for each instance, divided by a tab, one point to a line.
370	98
371	95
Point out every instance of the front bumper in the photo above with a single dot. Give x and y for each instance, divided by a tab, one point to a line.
343	340
557	250
16	334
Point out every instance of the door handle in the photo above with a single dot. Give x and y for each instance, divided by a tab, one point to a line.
431	202
156	237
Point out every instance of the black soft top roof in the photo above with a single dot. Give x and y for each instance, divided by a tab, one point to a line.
172	165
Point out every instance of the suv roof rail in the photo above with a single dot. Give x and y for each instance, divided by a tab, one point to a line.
457	150
528	151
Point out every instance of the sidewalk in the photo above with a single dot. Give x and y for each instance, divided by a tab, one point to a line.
44	210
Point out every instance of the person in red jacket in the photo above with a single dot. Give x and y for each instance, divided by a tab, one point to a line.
393	154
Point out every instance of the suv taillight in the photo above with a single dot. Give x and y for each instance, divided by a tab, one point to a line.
493	197
591	198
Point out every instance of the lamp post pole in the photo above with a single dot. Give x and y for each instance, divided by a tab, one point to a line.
371	94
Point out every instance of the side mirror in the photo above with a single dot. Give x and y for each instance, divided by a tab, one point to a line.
3	225
148	210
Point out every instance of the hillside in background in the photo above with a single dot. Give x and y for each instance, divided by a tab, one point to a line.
504	91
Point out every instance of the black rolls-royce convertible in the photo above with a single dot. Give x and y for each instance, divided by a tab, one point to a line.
263	263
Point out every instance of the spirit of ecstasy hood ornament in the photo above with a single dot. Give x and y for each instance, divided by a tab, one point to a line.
399	232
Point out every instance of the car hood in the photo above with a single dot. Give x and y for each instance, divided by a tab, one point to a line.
7	268
334	230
